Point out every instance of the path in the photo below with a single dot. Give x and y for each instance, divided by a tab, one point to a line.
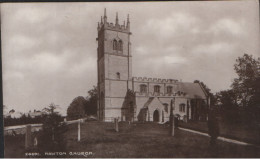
219	138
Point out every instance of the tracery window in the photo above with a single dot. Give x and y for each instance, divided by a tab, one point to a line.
182	107
169	89
143	88
157	89
114	44
120	45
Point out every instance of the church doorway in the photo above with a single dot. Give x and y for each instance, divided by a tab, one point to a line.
156	116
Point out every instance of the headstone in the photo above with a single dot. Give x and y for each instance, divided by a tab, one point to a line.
185	119
28	136
65	119
35	141
116	124
79	130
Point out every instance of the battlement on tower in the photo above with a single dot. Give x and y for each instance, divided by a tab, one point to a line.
104	24
156	80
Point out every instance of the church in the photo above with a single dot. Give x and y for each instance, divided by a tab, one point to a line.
128	98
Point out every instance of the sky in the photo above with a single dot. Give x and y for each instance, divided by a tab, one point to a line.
49	49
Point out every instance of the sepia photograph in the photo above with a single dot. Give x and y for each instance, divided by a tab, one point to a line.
173	79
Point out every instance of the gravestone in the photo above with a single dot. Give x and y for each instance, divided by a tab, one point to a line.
35	142
116	124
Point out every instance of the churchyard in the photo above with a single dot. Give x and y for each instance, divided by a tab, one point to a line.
99	139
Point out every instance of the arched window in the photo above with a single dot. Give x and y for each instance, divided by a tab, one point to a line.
182	107
120	45
169	89
143	88
157	89
165	107
114	44
118	75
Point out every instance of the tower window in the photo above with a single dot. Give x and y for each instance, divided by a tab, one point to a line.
114	44
120	45
182	107
143	88
169	89
118	75
157	89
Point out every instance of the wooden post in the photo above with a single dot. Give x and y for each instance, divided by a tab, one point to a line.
172	118
79	130
28	136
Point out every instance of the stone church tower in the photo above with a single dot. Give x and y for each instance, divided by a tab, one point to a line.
114	67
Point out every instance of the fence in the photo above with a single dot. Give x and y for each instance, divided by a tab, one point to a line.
21	129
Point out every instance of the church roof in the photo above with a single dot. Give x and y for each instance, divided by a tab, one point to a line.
148	102
153	101
193	90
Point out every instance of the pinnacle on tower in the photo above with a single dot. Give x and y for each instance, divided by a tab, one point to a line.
128	22
116	18
128	18
101	20
98	26
105	16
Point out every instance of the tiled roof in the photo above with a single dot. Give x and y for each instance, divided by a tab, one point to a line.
192	90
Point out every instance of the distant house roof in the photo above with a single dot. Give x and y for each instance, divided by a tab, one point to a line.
192	90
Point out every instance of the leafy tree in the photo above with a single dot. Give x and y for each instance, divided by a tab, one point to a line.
227	101
91	105
245	85
77	108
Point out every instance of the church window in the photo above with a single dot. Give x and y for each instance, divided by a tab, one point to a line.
118	75
114	44
157	89
169	89
143	88
165	107
120	45
182	107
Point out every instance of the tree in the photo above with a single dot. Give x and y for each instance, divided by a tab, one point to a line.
51	138
227	101
244	86
91	105
76	109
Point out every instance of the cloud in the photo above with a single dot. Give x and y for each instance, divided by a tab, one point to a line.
32	14
170	25
227	26
218	49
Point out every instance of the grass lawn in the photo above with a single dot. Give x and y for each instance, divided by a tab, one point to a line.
138	140
242	132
